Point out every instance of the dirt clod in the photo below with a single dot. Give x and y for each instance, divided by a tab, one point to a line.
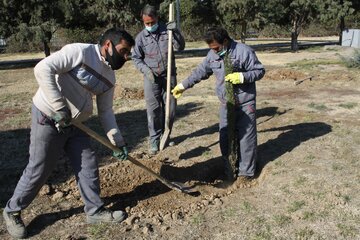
57	196
164	228
45	190
131	220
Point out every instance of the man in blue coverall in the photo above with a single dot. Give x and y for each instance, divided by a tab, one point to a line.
246	70
150	57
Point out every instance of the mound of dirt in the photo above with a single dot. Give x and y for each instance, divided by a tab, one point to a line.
284	74
128	93
125	186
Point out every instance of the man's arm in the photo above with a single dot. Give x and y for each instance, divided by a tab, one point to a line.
59	62
254	70
200	73
138	56
107	118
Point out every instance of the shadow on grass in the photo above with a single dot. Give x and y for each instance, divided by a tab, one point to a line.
291	137
196	152
204	172
212	169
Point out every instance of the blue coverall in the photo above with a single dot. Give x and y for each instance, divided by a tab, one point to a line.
244	60
150	53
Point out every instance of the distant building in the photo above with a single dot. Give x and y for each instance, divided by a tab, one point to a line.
351	38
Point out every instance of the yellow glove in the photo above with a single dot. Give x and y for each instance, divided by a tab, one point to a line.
178	90
235	78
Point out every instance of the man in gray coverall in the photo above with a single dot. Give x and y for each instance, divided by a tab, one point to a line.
150	57
68	80
246	70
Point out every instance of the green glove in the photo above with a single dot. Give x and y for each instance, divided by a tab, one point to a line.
178	90
150	76
122	154
235	78
62	117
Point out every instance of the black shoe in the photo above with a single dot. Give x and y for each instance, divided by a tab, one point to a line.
15	224
104	215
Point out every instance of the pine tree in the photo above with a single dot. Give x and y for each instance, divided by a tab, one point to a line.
230	167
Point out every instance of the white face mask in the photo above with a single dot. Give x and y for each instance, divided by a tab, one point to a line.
153	28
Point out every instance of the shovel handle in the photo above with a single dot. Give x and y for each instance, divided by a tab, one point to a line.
304	79
108	144
166	134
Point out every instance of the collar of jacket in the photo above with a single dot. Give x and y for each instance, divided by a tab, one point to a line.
101	58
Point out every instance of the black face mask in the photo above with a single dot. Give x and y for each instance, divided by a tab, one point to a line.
116	61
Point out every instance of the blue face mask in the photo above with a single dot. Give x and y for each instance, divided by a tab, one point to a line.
222	52
153	28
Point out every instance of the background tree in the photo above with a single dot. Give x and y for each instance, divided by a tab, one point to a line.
236	15
194	14
78	14
335	10
291	14
25	25
43	20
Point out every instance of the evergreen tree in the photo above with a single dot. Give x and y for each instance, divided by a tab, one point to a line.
336	10
236	15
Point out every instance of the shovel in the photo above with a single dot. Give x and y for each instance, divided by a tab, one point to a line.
172	185
166	135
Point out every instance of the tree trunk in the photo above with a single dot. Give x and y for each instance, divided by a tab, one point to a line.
46	49
342	28
294	36
46	41
243	31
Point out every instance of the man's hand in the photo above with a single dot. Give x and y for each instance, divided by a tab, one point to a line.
171	26
122	154
150	76
178	90
62	117
235	78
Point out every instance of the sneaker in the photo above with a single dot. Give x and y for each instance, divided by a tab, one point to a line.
14	224
154	147
104	215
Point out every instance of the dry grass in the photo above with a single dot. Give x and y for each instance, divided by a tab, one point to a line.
308	137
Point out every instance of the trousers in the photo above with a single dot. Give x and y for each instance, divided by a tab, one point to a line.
47	145
245	127
155	97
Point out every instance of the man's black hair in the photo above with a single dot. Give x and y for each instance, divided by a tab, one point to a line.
149	10
115	35
217	34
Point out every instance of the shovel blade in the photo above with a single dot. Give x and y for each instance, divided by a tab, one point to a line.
164	139
184	189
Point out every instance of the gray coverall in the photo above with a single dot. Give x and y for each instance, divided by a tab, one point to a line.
72	77
150	53
244	60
